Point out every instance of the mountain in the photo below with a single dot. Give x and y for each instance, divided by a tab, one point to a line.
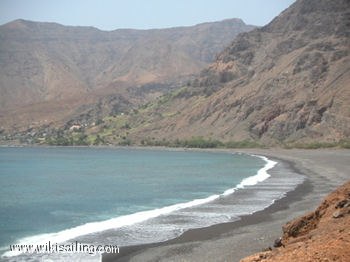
285	83
48	72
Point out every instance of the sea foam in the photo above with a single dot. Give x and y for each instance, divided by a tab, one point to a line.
253	180
113	223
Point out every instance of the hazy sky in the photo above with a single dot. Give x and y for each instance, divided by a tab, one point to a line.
140	14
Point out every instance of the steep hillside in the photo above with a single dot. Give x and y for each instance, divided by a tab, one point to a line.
322	235
287	82
46	64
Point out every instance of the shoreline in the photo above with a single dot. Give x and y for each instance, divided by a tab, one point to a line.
207	233
211	232
223	194
260	229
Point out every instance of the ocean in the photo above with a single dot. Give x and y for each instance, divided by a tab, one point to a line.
123	196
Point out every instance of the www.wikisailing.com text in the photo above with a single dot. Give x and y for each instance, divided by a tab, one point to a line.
71	248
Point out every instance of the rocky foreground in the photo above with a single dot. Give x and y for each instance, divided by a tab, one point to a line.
322	235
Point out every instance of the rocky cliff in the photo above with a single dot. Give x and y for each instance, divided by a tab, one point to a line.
322	235
287	82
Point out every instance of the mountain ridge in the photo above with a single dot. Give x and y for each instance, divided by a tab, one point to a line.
50	63
21	22
281	84
284	84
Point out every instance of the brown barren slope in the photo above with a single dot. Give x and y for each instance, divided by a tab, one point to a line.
322	235
43	64
288	81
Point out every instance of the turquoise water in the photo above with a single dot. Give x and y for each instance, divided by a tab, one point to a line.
46	190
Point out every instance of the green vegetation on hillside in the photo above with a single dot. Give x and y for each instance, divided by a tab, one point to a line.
83	139
201	142
343	143
73	139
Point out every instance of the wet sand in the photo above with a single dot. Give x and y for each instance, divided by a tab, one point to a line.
324	170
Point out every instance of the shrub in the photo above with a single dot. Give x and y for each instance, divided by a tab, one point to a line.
243	144
125	142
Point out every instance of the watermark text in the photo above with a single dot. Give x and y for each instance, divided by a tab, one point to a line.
72	248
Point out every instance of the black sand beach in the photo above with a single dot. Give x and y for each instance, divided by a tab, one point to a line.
324	171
